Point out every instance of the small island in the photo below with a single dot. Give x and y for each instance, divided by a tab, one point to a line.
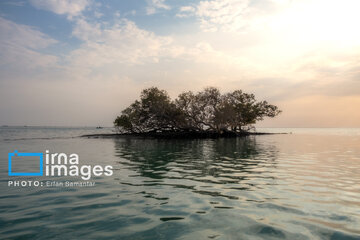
206	114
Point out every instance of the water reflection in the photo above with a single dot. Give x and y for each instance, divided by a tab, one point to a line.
214	161
264	187
270	183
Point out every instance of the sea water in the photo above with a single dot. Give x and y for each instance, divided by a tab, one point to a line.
304	185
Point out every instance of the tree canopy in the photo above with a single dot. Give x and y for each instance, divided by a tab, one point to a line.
205	111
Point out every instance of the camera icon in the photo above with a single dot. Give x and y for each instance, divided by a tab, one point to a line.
37	157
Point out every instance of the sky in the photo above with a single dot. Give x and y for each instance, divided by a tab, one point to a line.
80	62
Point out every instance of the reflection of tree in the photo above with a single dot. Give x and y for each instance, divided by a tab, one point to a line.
208	160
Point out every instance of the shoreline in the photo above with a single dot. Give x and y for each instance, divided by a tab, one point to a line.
177	135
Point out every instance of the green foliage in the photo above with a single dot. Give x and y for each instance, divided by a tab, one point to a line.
207	110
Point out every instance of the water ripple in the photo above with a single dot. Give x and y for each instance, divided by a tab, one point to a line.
263	187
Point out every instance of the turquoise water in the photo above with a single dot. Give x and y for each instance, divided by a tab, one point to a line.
304	185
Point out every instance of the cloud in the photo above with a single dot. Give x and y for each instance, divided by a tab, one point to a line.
266	47
232	15
300	41
186	11
87	31
71	8
125	45
226	14
15	3
20	45
98	14
155	5
126	50
122	43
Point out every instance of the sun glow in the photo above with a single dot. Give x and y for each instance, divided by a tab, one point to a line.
320	22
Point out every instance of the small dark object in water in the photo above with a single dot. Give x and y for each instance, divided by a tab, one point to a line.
223	207
201	212
165	219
